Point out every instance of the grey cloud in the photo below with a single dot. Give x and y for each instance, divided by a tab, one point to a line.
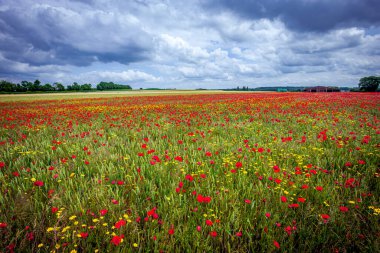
46	34
298	60
334	40
9	69
305	15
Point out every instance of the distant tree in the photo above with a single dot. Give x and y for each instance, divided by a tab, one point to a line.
111	86
369	83
47	87
59	86
20	88
75	86
85	86
36	86
7	86
27	85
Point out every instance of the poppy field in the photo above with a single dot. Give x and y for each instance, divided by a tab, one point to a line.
230	172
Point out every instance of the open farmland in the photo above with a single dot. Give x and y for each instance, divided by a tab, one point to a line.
258	172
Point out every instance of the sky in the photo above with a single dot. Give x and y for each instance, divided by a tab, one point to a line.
190	44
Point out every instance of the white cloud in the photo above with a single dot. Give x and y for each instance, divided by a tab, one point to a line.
127	76
179	48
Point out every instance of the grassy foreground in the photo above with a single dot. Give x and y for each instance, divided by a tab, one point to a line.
257	172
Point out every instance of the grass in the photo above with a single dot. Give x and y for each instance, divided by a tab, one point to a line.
102	94
197	172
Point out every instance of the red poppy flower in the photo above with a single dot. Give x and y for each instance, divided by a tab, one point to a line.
319	188
3	225
213	234
276	169
300	199
189	177
284	199
325	216
120	223
239	164
30	236
178	158
83	235
288	230
151	211
54	209
38	183
276	244
209	222
116	240
103	212
203	199
206	199
343	209
351	182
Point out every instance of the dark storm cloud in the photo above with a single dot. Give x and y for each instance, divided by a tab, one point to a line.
45	35
305	15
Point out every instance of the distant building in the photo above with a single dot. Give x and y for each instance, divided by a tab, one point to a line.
322	89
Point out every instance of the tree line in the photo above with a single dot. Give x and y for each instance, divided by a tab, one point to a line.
369	83
24	86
